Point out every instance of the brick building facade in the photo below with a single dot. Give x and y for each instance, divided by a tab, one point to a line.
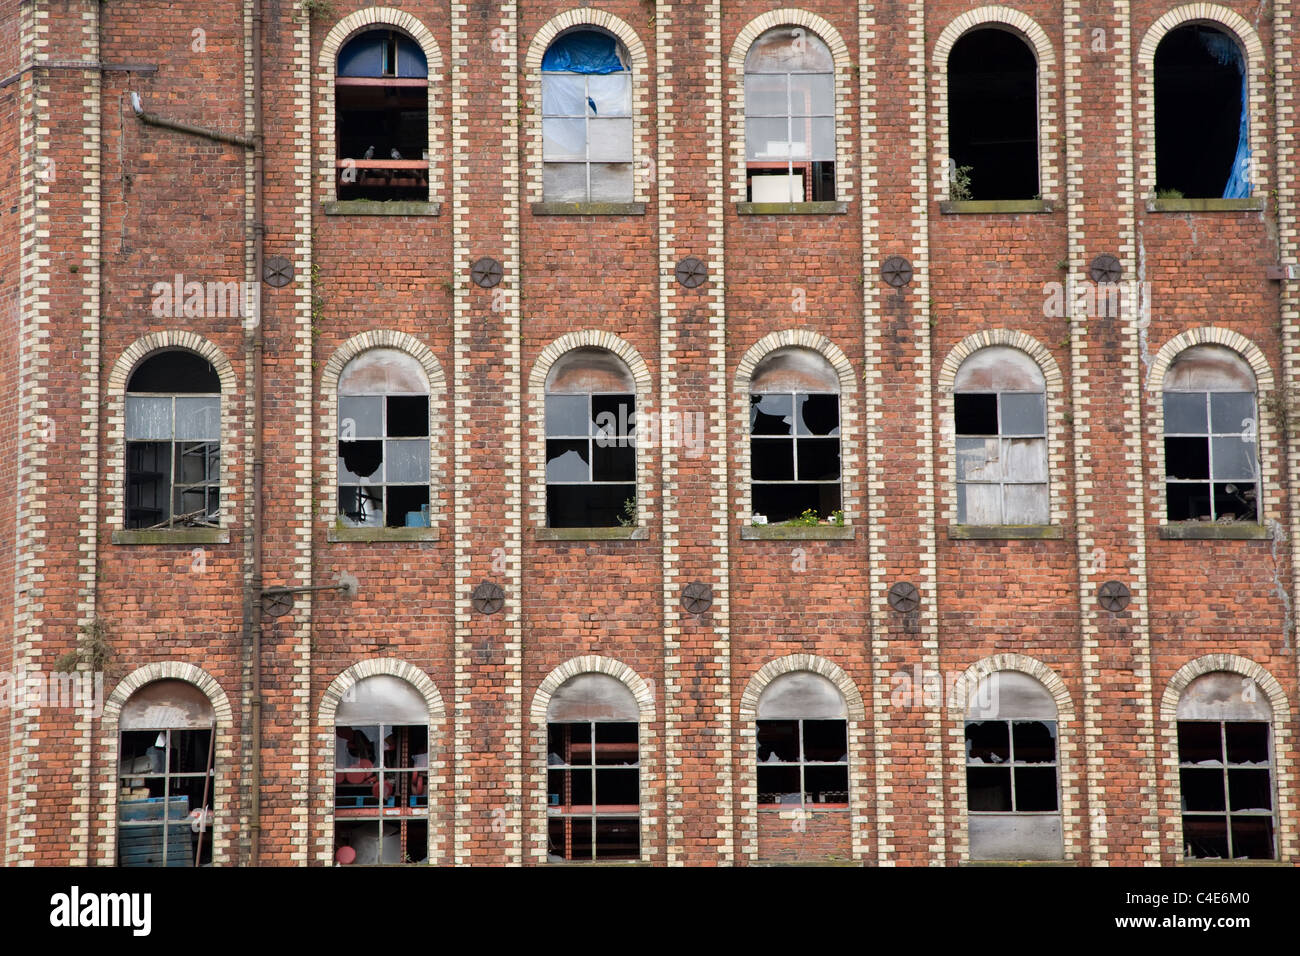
841	688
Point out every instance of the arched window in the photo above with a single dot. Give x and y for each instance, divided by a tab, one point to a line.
381	107
1012	784
1211	464
381	779
794	427
1000	416
993	116
590	441
383	463
593	771
790	117
167	777
586	119
803	743
1202	120
1225	760
173	442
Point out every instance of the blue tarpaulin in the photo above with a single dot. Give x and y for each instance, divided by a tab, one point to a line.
1227	53
364	56
583	52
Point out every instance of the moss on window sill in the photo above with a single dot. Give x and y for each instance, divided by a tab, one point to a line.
382	534
1248	204
371	207
1207	530
1005	532
172	536
989	207
791	208
588	209
797	532
592	534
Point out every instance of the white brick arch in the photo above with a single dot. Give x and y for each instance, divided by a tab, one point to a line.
535	748
1267	442
1284	782
439	745
1067	744
224	760
1024	26
845	85
372	18
169	340
1223	18
792	663
1057	427
849	468
532	92
535	426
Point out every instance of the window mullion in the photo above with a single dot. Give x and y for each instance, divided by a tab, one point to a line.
1011	736
1209	452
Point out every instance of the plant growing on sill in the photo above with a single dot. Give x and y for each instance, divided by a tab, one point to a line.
628	518
959	184
1169	194
317	9
837	518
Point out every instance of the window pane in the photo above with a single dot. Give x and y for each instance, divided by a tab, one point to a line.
1232	411
617	787
612	414
1035	789
822	135
765	94
812	94
1035	741
1236	500
772	459
1187	458
1022	414
611	182
198	419
976	413
770	414
1206	838
611	93
767	140
361	416
564	182
825	741
1024	504
567	415
567	460
1247	743
819	459
148	418
1252	838
616	744
618	839
988	788
611	140
564	139
778	741
1234	459
408	416
564	95
613	463
1184	412
1025	459
987	741
977	459
1202	789
980	504
778	785
408	460
360	460
1188	502
1199	743
818	414
826	784
1249	790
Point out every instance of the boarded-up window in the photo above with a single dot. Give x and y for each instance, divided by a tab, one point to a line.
383	460
381	776
1211	459
999	406
790	117
794	427
1226	769
166	777
593	771
803	750
1012	785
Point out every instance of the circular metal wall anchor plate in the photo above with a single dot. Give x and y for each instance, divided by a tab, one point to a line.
488	598
904	597
896	271
691	272
486	272
1113	596
277	603
697	597
277	272
1105	269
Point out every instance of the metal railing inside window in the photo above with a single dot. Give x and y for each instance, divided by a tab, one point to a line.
173	460
381	794
593	790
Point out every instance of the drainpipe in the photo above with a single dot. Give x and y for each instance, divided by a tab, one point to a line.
253	615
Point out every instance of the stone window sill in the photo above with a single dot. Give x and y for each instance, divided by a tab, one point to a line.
365	207
791	208
1005	532
1020	863
1248	204
788	532
588	209
382	534
592	534
990	207
172	536
1205	530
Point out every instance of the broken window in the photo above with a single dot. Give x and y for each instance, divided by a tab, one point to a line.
803	743
1012	789
993	116
381	105
1001	431
173	442
1201	115
166	777
586	119
794	427
1211	462
590	441
593	771
381	777
1225	769
789	118
383	463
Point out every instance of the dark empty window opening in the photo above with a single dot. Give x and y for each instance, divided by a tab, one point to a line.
1227	790
594	790
382	116
1201	117
993	116
586	119
795	454
590	460
803	763
173	432
381	794
789	118
1011	766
